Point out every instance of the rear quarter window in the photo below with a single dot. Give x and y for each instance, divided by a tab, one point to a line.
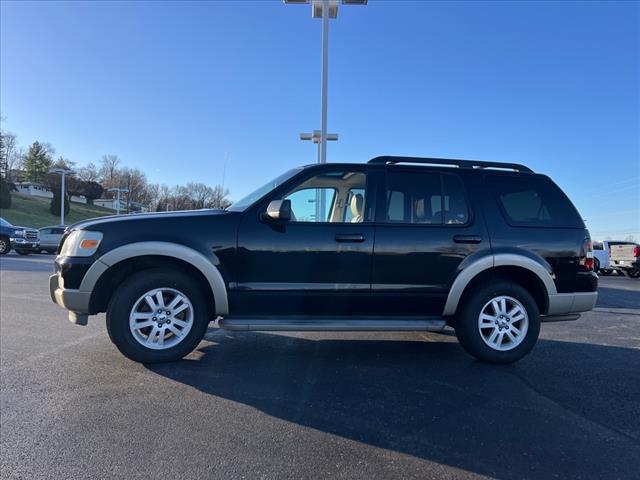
533	201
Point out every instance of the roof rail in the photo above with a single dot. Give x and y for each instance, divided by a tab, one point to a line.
386	160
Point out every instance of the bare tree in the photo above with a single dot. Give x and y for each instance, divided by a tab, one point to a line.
88	173
108	170
8	146
220	198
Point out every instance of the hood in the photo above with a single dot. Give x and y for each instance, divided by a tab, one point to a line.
88	224
28	229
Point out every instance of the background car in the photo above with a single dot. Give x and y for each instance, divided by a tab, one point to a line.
50	238
23	240
621	257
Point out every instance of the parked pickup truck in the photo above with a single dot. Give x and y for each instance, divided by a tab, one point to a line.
22	239
624	257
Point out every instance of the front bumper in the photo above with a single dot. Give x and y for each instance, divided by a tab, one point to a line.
24	244
75	301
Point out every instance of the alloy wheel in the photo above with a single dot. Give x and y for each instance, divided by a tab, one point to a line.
161	318
503	323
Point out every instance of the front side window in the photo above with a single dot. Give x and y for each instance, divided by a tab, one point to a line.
332	197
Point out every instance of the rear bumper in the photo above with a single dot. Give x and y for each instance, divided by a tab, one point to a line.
566	303
75	301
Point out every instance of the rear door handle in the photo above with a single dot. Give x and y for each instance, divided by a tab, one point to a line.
349	237
467	238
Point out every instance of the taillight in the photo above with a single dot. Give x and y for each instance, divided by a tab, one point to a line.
586	255
636	251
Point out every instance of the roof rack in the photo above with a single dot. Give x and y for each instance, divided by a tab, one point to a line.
386	160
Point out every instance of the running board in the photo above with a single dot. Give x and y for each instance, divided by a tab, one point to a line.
314	324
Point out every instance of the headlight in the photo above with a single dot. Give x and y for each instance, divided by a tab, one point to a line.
19	233
81	243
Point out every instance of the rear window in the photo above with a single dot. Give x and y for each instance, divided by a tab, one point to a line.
533	201
598	246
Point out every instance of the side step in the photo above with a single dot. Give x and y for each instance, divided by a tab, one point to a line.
331	324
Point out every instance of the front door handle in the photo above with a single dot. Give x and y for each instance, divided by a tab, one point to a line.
467	238
350	237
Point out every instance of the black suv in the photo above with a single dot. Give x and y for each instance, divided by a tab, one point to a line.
397	244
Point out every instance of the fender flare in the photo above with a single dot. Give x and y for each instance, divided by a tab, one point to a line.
499	260
163	249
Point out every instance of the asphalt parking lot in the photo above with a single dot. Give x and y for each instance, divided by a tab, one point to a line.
264	405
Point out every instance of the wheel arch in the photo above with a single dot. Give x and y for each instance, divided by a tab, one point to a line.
110	269
520	269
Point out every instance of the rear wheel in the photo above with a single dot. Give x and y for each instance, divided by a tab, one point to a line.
605	272
5	246
498	323
596	265
633	273
157	316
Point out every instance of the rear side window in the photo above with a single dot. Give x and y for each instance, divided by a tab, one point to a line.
533	201
426	198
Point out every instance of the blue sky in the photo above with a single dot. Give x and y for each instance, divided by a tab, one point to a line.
176	88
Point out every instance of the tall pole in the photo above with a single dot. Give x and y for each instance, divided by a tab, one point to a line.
118	202
322	145
62	200
324	87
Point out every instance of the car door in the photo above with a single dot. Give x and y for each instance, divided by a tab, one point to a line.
319	263
45	237
425	228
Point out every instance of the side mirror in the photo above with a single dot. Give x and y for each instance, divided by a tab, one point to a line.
279	211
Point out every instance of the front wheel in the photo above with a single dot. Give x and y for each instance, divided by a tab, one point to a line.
498	323
5	245
157	316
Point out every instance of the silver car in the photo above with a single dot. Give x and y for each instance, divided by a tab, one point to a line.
50	238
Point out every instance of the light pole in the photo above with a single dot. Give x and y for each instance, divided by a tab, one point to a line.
315	138
63	172
324	9
117	192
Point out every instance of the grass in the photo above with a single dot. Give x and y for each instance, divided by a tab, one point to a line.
29	211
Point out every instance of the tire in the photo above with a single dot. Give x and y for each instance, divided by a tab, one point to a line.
596	265
22	252
468	329
5	245
633	273
129	297
605	272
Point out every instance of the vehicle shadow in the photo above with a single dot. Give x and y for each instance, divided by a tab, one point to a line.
609	297
566	410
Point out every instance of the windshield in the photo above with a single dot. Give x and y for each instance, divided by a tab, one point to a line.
256	195
4	223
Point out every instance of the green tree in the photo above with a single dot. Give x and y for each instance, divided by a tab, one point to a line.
37	162
5	195
55	203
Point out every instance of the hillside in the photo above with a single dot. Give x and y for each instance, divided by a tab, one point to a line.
34	212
